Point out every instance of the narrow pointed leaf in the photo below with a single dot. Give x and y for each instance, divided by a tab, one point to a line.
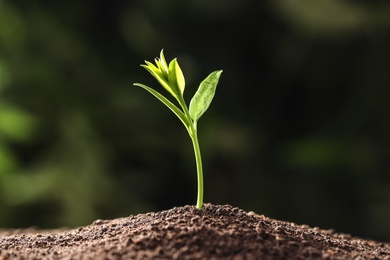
151	67
163	61
166	102
161	70
204	95
156	73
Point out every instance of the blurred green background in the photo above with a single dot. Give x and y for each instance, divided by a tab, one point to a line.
299	129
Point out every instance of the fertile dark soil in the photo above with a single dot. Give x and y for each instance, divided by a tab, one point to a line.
214	232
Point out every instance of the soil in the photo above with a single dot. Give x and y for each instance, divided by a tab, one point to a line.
214	232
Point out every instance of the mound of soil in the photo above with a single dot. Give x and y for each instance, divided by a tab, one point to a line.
214	232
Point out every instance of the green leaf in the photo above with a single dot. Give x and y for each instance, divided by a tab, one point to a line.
176	77
166	102
158	74
163	61
204	95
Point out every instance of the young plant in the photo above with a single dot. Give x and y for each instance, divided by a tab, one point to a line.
171	78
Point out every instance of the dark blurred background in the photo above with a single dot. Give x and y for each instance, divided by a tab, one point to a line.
299	128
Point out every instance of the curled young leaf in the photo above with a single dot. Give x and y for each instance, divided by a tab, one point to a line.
159	75
176	77
170	77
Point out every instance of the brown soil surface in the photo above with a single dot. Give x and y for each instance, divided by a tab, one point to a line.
214	232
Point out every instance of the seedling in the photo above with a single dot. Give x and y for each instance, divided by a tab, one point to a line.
172	80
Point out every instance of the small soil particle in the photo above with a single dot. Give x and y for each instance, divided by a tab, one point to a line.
214	232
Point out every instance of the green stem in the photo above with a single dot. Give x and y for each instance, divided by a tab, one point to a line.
199	168
192	130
